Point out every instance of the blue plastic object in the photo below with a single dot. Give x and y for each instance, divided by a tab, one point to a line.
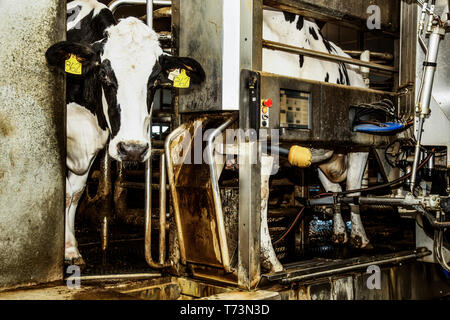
385	127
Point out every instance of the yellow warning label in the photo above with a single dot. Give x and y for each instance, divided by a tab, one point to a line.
182	81
73	66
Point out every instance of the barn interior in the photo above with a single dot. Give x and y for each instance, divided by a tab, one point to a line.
170	230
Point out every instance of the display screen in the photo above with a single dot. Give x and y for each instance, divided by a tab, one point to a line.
294	109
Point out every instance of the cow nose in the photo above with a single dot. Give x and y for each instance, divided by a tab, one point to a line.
132	151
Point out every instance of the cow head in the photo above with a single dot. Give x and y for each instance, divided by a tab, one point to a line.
124	70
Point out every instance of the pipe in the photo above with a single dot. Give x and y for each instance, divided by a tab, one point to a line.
396	259
326	56
113	5
104	234
162	210
174	134
377	55
117	276
149	12
148	218
216	193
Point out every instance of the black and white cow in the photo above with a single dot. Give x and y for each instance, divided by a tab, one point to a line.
122	66
297	31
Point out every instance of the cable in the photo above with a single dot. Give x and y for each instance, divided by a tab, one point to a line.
290	227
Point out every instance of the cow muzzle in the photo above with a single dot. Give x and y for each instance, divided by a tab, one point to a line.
132	151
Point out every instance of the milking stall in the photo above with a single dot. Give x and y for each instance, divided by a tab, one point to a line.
224	150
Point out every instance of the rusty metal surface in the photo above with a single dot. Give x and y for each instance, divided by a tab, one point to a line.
32	144
194	202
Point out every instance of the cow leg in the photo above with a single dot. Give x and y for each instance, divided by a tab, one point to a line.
75	185
269	258
357	164
339	230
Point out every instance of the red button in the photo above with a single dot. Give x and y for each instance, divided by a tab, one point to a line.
268	103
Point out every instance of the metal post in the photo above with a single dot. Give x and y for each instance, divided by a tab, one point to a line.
162	209
249	225
216	194
150	13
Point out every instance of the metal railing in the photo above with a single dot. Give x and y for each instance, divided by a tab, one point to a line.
325	56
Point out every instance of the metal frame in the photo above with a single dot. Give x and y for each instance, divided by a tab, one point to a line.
113	6
172	136
325	56
216	194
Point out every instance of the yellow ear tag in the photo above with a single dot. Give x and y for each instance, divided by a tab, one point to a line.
73	66
182	81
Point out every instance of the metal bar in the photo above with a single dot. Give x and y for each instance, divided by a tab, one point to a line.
139	185
326	56
113	5
149	11
334	268
162	210
148	217
117	276
216	193
378	55
174	134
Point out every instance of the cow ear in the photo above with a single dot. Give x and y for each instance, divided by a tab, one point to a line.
73	58
181	71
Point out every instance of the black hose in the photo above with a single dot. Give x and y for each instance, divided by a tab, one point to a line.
381	186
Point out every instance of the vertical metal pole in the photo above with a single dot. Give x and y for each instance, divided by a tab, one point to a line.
249	244
150	13
162	209
249	215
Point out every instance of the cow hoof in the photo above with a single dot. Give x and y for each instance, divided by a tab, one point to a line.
73	257
339	238
77	261
357	242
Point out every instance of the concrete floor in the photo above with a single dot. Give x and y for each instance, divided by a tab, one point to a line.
58	291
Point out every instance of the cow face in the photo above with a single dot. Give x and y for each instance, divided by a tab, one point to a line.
125	69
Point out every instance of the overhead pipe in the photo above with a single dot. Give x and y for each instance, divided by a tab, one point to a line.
113	5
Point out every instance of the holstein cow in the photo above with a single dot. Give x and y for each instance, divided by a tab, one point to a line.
113	70
297	31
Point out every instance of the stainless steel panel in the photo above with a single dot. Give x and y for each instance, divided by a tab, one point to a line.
224	39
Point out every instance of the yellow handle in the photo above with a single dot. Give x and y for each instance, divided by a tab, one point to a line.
300	157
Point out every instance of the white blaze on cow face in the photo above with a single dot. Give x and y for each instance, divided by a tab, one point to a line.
132	51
